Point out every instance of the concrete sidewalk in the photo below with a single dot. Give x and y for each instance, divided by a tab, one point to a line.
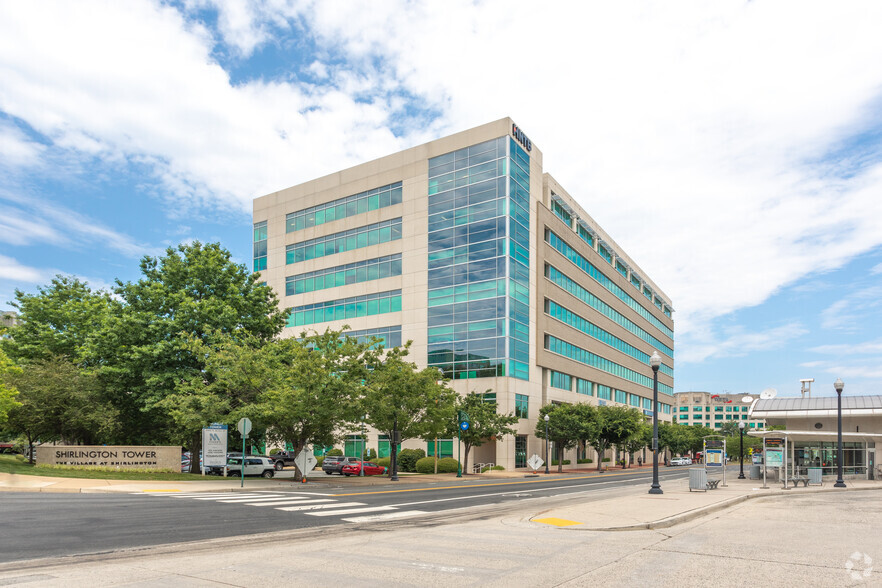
636	509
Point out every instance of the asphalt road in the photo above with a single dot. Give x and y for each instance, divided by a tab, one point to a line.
38	525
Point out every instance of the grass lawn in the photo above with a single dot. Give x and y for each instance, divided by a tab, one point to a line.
10	465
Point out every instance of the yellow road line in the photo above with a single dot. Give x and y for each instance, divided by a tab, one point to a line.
556	522
481	485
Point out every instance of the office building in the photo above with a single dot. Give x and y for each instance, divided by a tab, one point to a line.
465	246
713	410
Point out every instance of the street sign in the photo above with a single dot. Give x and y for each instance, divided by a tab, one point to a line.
535	462
714	458
214	446
305	461
464	425
244	426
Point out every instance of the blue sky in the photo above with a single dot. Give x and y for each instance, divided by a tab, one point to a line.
731	148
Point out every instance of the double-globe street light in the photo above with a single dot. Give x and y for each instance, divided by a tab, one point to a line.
655	362
839	385
547	418
741	425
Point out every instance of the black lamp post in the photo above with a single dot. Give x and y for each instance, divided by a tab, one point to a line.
741	425
655	362
839	385
394	451
547	418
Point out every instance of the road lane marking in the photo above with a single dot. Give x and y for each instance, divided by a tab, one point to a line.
400	514
162	490
320	506
303	500
221	498
346	511
261	499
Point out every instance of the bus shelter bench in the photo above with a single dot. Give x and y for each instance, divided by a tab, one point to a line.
712	484
796	481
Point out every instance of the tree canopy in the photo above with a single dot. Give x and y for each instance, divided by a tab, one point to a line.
485	423
568	424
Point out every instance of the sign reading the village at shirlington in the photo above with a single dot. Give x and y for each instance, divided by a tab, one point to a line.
158	457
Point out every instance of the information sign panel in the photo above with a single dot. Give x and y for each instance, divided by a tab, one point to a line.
714	458
214	446
775	458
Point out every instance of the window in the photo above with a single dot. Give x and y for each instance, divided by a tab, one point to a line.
522	405
621	397
635	281
388	336
559	380
352	273
604	253
561	347
634	400
585	234
620	267
260	237
584	387
718	417
647	404
564	249
445	448
334	310
357	238
560	211
567	316
565	283
684	408
344	207
604	392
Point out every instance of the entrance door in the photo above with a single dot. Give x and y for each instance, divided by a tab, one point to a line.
871	463
521	451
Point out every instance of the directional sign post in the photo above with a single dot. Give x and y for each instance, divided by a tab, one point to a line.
244	427
463	419
535	462
305	461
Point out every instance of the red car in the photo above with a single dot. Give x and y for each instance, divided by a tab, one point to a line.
370	469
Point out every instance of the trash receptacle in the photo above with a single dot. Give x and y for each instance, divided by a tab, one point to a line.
697	479
755	472
814	476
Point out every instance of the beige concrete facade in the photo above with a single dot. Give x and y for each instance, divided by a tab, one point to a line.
410	167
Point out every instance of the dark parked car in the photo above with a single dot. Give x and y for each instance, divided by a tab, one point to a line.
333	464
282	459
370	469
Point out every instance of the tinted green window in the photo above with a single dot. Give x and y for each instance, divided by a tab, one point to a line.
345	241
357	306
344	207
260	239
522	406
559	380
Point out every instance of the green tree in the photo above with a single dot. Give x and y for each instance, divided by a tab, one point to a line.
58	320
568	424
699	432
641	438
7	391
145	350
60	402
311	388
398	397
729	429
485	423
676	437
613	425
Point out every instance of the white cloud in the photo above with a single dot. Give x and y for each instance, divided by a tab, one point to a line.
697	134
31	221
863	348
738	342
853	311
16	150
13	271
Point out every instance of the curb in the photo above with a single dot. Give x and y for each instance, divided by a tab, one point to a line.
702	511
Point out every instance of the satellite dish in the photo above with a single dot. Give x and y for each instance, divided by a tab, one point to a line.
747	399
768	394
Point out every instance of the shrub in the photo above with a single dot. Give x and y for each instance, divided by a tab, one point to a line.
446	465
498	467
488	468
335	452
606	459
554	462
274	451
586	460
370	454
319	460
407	459
386	462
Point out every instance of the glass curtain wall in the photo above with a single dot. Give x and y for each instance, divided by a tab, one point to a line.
479	235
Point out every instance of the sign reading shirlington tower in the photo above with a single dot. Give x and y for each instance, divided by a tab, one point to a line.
122	457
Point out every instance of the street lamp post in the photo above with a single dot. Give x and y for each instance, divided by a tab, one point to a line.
741	425
839	385
547	418
394	450
655	362
363	446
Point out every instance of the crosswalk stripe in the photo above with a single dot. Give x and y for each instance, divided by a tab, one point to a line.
383	517
261	498
320	506
329	513
229	496
290	501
